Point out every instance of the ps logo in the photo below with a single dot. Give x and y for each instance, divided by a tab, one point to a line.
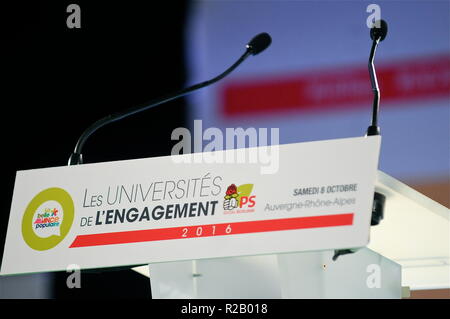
248	201
74	18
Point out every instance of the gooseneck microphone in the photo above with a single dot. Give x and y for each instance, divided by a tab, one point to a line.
258	44
377	33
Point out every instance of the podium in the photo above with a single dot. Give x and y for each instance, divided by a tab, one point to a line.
275	240
394	242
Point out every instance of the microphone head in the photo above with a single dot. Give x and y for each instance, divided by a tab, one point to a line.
380	32
259	43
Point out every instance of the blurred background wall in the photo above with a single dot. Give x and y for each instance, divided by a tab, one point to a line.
313	81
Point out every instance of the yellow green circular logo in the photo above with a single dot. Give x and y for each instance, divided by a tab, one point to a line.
47	219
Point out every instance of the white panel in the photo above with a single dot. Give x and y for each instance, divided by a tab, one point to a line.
298	275
336	215
240	278
315	275
172	280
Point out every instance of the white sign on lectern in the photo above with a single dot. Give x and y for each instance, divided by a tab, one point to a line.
157	210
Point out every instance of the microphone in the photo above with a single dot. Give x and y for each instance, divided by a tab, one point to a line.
259	43
378	33
256	45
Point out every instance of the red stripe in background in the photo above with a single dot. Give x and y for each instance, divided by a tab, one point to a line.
343	88
212	230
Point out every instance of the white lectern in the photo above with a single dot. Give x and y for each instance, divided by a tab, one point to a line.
232	229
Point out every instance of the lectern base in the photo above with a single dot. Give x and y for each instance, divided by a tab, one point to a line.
364	274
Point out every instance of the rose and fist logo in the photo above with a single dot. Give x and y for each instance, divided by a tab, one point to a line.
239	196
230	201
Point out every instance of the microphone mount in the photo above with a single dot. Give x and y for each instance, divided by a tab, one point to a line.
377	33
374	129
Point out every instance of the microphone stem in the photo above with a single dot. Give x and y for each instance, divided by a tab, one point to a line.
375	88
76	157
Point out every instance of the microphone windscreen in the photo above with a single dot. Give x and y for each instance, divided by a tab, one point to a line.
379	32
259	43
